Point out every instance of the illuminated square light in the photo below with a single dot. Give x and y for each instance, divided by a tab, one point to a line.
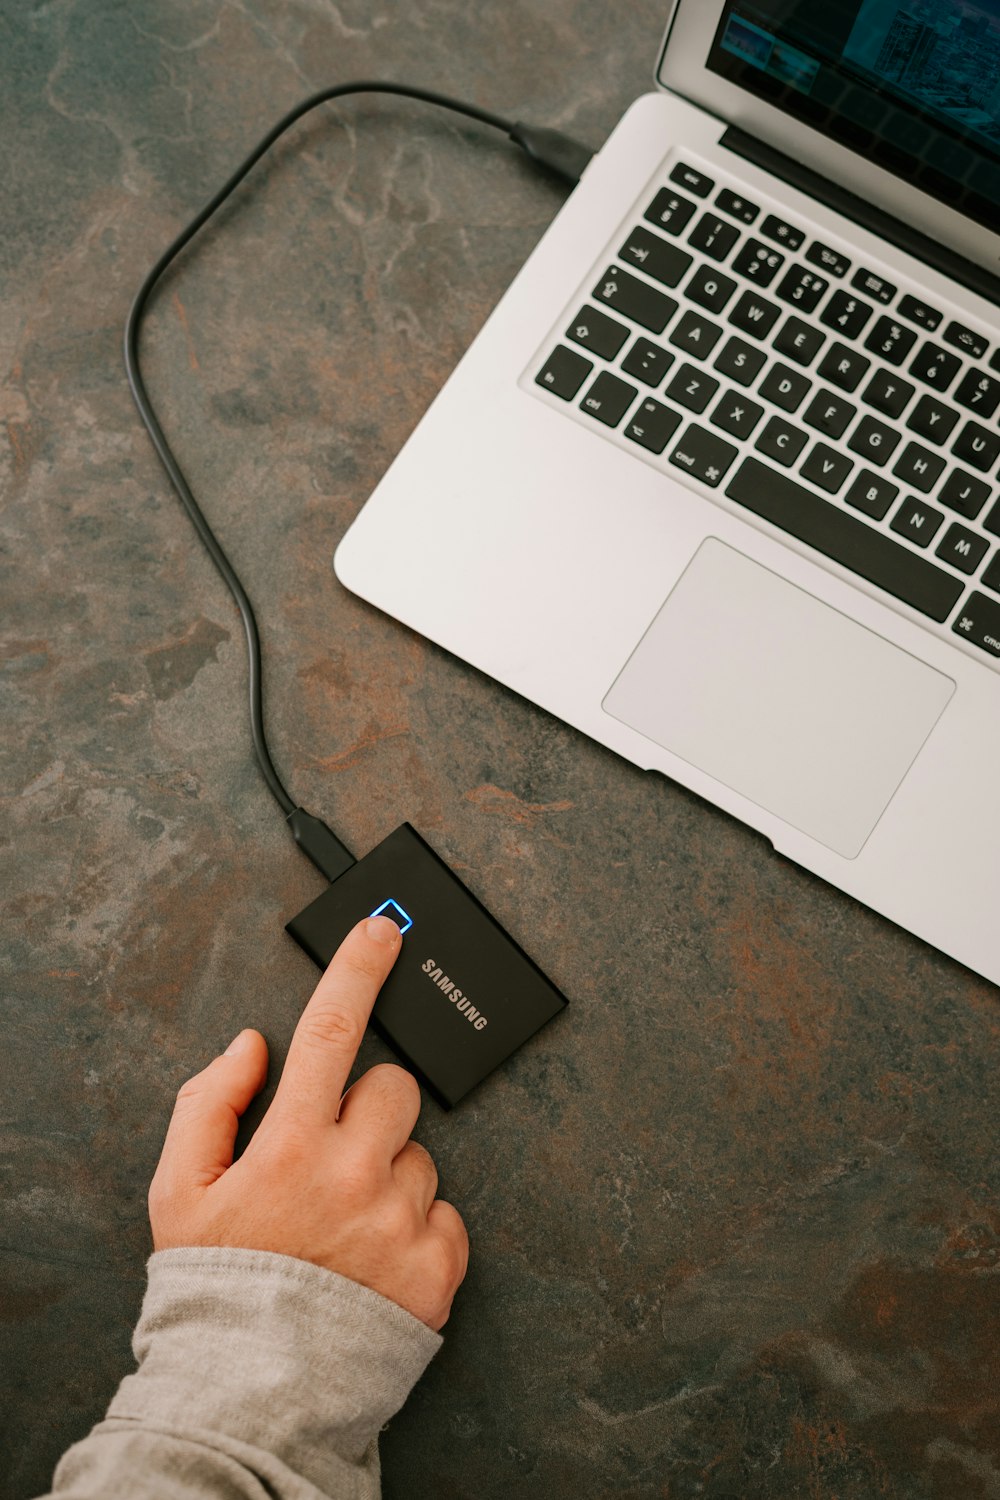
392	909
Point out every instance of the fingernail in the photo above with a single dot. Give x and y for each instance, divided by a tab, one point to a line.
382	930
238	1044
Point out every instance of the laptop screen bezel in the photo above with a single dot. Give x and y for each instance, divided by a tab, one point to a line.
682	68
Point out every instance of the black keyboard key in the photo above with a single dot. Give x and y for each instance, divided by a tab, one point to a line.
844	367
853	544
785	387
781	441
689	177
713	236
670	211
964	493
873	285
755	315
935	367
874	441
740	361
634	299
655	256
919	313
647	362
692	388
737	414
979	392
888	393
758	262
799	341
917	521
608	399
736	206
696	335
802	288
919	468
977	446
783	234
979	621
704	455
932	420
872	494
992	522
891	340
710	289
830	260
963	549
829	414
564	372
966	339
652	425
596	331
991	575
826	468
847	314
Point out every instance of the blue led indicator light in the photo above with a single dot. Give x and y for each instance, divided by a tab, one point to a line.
392	909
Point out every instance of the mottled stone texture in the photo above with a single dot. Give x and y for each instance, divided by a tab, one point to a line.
734	1216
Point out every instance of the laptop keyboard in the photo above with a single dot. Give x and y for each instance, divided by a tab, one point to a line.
722	342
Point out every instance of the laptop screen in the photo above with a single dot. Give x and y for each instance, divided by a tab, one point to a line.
914	87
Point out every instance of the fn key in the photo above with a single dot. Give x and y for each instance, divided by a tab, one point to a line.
704	455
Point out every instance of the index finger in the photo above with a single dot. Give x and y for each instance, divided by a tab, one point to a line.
330	1029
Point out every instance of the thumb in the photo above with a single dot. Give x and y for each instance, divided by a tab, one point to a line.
202	1129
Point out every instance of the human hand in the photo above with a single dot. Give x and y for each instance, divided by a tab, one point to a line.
328	1177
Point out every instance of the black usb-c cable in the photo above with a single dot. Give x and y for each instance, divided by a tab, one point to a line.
553	151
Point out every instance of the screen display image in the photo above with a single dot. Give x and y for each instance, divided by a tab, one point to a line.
912	84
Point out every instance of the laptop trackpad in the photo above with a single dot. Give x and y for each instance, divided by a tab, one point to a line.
779	697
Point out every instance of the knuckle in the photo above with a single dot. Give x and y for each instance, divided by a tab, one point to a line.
399	1219
423	1162
360	964
399	1081
422	1156
331	1026
189	1089
449	1262
355	1184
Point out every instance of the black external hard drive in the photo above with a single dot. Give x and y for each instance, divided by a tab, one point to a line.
462	996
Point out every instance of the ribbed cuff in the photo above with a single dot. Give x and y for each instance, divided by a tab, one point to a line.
273	1352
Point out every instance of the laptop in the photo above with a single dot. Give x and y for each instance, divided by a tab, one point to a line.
717	482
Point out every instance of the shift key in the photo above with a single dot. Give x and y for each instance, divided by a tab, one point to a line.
634	299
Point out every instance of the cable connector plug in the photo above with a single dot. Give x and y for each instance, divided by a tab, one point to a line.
318	842
563	155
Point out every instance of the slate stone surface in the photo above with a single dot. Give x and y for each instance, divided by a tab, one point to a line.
734	1216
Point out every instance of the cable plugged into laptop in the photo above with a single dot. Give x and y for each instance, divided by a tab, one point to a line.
450	1042
551	149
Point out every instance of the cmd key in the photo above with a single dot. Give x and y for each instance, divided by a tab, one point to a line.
704	455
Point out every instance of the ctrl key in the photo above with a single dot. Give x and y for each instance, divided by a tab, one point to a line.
564	372
979	621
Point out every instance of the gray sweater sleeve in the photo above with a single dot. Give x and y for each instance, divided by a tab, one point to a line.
260	1378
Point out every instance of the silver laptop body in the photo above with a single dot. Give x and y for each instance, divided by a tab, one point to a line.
717	482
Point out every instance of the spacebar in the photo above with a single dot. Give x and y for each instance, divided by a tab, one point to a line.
843	539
